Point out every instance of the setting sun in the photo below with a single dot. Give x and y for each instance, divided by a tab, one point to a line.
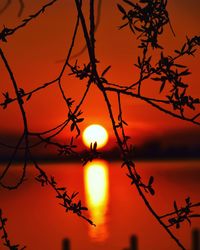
95	133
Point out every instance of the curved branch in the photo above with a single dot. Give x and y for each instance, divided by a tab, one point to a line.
153	102
91	53
96	27
10	31
12	157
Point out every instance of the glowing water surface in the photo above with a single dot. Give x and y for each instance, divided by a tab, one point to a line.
96	186
36	219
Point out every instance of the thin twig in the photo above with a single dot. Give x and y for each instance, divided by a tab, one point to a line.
91	53
10	31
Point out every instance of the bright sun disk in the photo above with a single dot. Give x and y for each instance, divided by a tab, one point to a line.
95	133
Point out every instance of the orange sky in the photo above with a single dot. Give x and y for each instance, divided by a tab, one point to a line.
34	53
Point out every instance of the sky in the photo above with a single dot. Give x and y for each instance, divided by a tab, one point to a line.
36	53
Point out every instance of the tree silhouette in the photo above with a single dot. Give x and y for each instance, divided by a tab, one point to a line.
146	19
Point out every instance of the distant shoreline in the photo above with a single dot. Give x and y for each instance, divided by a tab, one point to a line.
71	160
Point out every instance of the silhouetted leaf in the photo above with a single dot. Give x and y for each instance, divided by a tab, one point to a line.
162	86
84	208
151	190
61	189
29	96
95	146
105	70
125	123
130	3
72	126
151	180
177	51
80	120
74	195
179	65
194	215
121	9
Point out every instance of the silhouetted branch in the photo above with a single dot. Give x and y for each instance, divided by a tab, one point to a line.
182	214
188	206
96	27
153	102
22	177
61	194
91	155
12	157
25	133
134	176
4	237
10	31
75	207
188	48
146	19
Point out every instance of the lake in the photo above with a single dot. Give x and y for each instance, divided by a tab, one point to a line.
35	218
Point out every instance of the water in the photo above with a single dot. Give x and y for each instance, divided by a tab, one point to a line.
35	218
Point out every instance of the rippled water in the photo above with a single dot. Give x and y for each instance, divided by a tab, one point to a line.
36	220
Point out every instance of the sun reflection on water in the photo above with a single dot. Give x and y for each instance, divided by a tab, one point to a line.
96	186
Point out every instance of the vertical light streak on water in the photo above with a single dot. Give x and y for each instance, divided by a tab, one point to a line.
96	187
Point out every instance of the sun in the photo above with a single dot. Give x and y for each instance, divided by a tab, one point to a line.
95	133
